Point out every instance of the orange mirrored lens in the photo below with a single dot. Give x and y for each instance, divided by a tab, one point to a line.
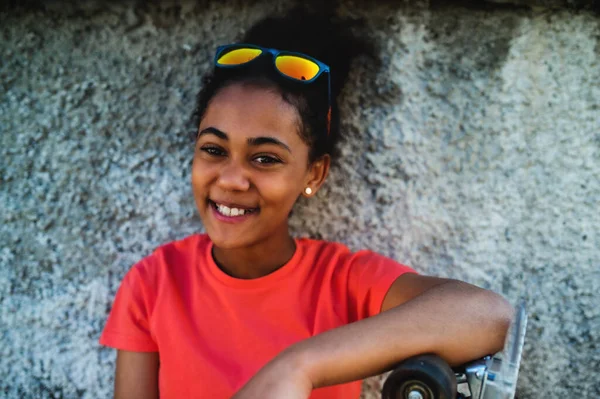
296	67
239	56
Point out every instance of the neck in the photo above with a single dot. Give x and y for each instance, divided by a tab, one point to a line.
257	260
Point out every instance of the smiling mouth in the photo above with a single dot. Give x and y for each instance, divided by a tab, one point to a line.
231	211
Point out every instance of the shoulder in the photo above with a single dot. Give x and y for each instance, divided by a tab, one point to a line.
172	257
323	250
181	250
363	276
339	255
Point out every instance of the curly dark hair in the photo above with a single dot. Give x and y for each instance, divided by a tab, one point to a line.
320	35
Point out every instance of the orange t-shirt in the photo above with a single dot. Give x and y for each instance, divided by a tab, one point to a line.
213	332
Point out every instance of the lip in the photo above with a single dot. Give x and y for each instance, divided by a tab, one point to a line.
231	219
231	204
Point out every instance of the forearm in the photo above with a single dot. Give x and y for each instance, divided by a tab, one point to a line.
455	320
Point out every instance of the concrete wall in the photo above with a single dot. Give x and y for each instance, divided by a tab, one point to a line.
473	154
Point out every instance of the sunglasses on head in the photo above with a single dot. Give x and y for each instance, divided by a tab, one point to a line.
291	65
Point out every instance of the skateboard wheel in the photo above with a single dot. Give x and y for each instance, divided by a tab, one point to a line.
420	377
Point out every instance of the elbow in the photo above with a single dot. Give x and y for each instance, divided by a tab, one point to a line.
501	314
491	317
485	318
494	316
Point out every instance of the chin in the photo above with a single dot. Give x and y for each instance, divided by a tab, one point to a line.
226	240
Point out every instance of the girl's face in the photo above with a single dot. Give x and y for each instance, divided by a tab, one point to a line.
250	165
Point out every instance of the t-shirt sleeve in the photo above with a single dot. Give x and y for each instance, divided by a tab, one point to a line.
128	324
370	278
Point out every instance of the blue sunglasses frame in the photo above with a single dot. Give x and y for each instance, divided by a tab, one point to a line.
275	53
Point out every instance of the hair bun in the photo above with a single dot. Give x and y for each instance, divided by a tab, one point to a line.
321	35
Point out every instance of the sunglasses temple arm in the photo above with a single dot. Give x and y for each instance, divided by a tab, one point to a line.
329	101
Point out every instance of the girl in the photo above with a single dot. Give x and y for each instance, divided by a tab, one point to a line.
250	311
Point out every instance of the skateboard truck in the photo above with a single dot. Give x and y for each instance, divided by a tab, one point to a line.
492	377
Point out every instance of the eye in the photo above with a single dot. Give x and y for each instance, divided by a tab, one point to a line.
213	150
267	160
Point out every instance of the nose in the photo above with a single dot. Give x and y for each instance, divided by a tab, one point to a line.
233	177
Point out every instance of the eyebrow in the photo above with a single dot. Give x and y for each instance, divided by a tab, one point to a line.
256	141
253	141
213	130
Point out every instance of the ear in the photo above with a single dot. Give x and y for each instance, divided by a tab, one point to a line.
316	175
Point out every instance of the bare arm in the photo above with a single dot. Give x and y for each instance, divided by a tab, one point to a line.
136	375
455	320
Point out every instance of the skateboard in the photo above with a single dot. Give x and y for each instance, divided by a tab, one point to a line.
492	377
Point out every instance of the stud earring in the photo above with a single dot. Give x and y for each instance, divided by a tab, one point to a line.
308	191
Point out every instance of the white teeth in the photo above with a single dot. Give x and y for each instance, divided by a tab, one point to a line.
227	211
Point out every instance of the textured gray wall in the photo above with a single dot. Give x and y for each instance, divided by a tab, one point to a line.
474	153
